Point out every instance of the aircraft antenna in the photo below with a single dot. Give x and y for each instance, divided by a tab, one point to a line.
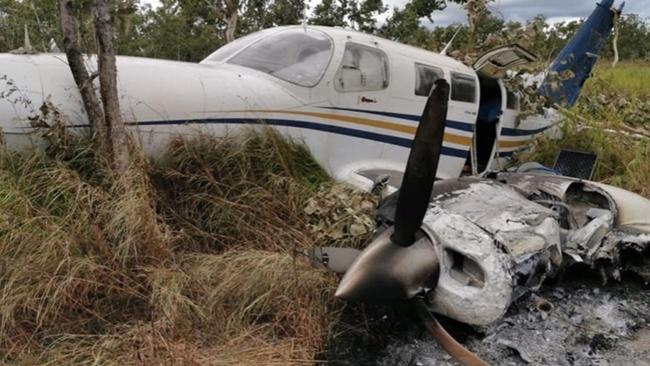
448	45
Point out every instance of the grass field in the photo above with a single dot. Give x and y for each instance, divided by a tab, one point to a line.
190	264
631	78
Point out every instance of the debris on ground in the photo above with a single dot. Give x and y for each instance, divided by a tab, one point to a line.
585	325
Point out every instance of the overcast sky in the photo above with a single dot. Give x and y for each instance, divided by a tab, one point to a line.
522	10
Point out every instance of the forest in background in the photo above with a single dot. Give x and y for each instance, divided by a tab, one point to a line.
189	30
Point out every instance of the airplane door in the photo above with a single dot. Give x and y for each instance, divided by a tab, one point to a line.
462	113
494	112
358	97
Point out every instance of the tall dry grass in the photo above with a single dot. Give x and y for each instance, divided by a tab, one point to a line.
186	261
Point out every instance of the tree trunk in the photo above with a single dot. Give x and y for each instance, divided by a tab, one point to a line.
228	12
72	46
117	138
231	25
476	10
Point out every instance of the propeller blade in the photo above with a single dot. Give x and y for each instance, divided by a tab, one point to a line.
395	266
422	165
385	272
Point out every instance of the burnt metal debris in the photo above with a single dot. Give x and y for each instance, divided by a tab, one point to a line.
501	238
587	325
504	244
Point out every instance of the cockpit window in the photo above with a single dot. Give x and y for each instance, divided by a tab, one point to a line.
299	56
231	48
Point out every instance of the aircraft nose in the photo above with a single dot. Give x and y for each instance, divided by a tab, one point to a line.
386	272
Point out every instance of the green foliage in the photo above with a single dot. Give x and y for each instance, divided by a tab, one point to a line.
39	17
633	40
261	14
189	30
609	119
177	30
360	15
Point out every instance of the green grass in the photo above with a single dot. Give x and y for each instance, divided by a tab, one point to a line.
630	78
614	105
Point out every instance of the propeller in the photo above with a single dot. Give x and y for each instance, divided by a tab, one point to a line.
399	263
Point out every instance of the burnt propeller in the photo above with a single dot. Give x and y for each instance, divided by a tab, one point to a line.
399	264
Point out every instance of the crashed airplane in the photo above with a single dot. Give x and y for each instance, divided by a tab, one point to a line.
470	247
354	99
465	247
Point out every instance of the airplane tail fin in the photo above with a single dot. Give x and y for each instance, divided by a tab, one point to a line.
572	67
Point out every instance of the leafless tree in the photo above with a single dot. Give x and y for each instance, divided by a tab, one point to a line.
476	11
117	139
228	11
104	116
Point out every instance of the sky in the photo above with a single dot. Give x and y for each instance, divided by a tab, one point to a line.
520	10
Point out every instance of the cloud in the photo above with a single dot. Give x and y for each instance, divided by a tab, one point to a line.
517	10
523	10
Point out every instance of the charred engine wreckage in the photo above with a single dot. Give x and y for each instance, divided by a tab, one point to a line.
467	248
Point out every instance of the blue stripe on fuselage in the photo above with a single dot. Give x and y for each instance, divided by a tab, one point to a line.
463	126
389	139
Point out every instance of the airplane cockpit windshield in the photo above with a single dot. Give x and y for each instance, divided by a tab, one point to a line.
229	49
298	55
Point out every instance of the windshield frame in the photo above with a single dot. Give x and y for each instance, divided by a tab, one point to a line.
324	71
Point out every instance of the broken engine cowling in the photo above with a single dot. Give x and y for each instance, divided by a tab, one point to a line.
497	239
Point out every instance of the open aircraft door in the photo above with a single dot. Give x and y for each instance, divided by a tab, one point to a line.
496	62
494	105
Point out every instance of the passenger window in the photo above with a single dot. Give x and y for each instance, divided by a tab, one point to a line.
463	88
362	69
425	77
512	100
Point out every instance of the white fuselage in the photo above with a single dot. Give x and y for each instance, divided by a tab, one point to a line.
357	116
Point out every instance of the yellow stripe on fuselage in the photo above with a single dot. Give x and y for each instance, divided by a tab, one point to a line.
506	144
449	137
